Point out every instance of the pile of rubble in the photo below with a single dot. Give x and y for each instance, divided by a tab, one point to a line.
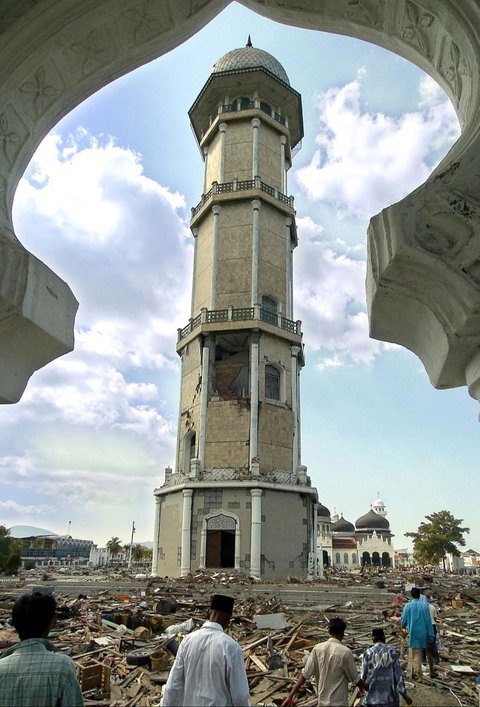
124	641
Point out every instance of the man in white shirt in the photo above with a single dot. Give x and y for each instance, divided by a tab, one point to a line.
209	670
333	667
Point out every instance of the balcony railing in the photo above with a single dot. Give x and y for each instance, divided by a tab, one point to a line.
272	477
242	185
242	314
238	106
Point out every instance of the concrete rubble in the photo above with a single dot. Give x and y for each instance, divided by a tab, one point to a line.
122	632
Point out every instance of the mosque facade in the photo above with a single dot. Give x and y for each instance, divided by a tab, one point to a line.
345	545
239	497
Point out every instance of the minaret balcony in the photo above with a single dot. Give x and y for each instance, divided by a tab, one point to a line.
238	188
234	317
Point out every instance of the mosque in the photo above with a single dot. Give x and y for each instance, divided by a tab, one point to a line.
240	497
344	545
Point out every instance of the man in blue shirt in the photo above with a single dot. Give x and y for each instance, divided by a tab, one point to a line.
383	675
32	672
416	619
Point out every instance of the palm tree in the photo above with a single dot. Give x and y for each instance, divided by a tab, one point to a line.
114	546
138	553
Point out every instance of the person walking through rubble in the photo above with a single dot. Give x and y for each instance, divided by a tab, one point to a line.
416	619
209	670
33	673
333	667
382	673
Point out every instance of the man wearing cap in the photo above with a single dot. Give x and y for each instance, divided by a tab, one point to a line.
209	668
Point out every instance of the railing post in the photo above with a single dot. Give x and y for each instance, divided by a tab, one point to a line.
298	326
179	335
235	182
256	311
190	323
203	315
230	313
258	183
214	187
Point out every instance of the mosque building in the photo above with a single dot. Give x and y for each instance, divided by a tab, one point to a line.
344	545
239	497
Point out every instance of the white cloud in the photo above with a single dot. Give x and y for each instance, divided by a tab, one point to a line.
330	300
92	424
367	161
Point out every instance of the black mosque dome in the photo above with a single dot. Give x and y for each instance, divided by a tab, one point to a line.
250	57
323	511
372	521
342	526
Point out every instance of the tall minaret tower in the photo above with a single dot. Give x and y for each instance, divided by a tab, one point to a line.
241	352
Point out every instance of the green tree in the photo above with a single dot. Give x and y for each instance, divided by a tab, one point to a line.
10	551
114	546
438	537
138	553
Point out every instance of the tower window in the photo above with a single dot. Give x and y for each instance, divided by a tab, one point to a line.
272	383
246	103
269	310
266	107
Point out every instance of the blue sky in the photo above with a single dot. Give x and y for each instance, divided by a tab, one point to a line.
105	203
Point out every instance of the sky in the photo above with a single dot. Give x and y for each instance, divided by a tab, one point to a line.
105	202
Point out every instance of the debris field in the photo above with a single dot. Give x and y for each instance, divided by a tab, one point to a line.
123	641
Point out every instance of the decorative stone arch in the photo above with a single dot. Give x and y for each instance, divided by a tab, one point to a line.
222	520
386	560
366	559
337	558
423	280
376	559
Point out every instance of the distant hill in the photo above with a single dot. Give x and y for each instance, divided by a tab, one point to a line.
25	531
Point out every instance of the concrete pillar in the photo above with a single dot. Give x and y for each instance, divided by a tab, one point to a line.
203	545
312	524
238	537
254	347
203	404
295	350
256	204
180	440
256	125
186	532
213	283
223	134
195	241
156	535
205	159
288	271
256	532
283	171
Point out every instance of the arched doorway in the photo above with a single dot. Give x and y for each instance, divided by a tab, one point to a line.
376	559
366	559
220	541
386	559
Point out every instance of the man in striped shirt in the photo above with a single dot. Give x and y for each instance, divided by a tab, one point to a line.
32	672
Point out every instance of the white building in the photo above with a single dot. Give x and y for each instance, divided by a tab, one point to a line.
342	544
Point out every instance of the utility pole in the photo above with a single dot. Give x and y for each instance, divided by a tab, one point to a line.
131	546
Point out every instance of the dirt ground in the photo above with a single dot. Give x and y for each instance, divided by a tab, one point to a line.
426	695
